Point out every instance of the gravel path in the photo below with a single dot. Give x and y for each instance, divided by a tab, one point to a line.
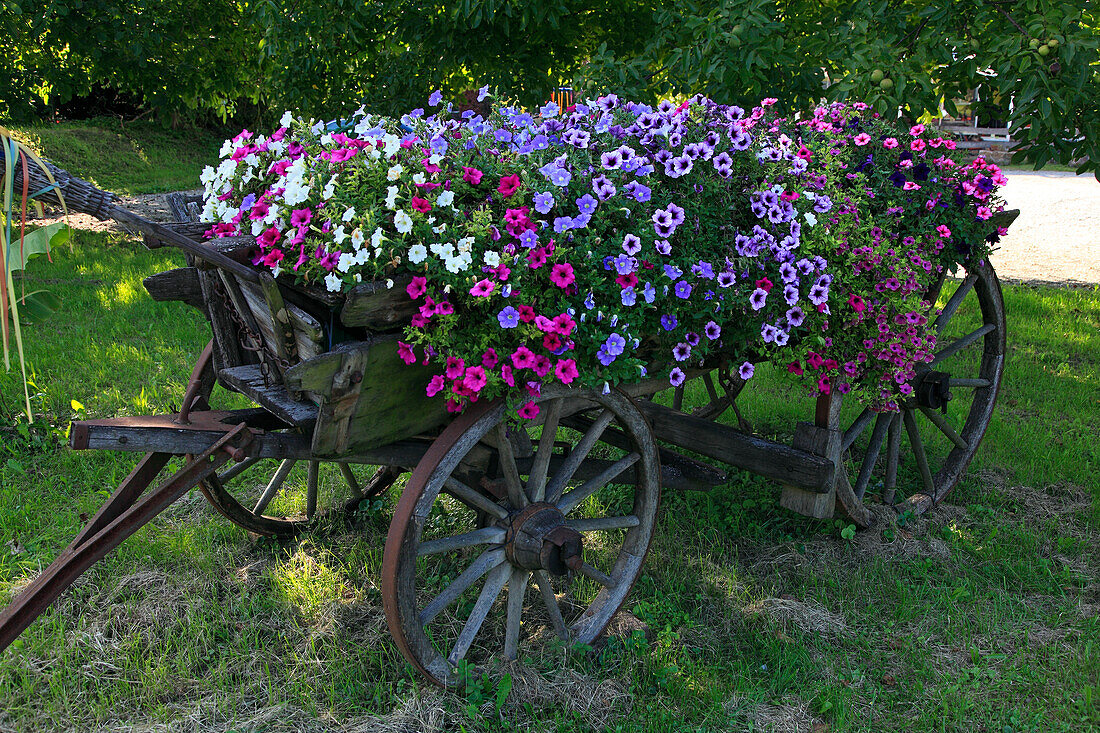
1056	238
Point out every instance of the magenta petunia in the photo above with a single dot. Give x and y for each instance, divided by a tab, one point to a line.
562	274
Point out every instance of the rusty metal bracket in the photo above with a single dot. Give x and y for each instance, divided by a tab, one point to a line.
122	515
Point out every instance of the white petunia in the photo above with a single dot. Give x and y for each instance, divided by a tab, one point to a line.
419	178
332	282
226	149
446	198
207	174
377	238
492	258
330	188
395	172
440	229
391	198
402	221
810	218
349	214
257	227
417	254
357	238
345	262
392	145
435	158
286	119
362	256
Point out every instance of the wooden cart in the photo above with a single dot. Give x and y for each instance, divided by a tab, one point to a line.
502	536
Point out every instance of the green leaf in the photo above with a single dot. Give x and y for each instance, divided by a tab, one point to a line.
37	242
37	306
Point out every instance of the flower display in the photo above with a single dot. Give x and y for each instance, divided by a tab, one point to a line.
611	241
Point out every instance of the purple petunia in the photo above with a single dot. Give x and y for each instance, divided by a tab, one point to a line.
681	351
509	317
683	290
712	330
587	204
544	202
746	371
676	376
615	344
795	317
632	244
758	299
668	321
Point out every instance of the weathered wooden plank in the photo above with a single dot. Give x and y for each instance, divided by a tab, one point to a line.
371	397
249	381
179	285
764	457
227	349
372	305
308	334
821	442
181	441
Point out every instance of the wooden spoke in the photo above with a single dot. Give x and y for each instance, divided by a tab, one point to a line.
893	453
856	429
570	501
473	499
918	452
678	398
709	384
311	489
595	574
508	465
957	346
934	294
578	454
536	481
546	590
489	592
487	561
238	468
938	420
485	536
603	523
975	383
349	478
871	456
954	302
517	590
274	485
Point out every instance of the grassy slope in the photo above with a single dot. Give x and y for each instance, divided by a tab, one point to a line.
140	157
984	617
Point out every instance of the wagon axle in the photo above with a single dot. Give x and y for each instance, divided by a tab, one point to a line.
933	390
539	539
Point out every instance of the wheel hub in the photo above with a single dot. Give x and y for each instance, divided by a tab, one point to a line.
539	539
933	390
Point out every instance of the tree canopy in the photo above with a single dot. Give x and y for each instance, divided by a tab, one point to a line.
1041	58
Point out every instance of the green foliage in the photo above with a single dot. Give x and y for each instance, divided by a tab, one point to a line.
915	55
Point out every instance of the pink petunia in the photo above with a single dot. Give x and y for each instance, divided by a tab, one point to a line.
562	275
455	367
551	342
529	411
421	205
861	139
943	231
482	288
564	324
405	352
890	143
628	280
435	385
857	303
566	370
417	287
542	365
506	375
475	378
526	313
523	358
508	185
489	359
471	175
544	324
794	368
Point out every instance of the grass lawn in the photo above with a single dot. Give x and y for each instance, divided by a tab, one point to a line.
983	616
135	158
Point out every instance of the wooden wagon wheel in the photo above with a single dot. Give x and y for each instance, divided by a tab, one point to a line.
249	493
964	377
575	516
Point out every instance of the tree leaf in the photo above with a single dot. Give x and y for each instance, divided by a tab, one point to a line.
37	242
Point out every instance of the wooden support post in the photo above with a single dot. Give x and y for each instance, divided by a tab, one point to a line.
823	439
